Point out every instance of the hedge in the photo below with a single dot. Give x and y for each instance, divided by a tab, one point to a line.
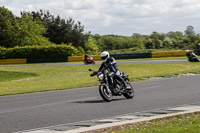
38	52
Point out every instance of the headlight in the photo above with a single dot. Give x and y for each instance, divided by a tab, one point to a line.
100	76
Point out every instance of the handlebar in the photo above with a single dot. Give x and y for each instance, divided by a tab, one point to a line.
93	74
90	69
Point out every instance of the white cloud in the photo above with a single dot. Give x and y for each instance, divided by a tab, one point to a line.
2	1
119	16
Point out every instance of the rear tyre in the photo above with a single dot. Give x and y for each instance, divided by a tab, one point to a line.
105	93
85	63
130	92
196	60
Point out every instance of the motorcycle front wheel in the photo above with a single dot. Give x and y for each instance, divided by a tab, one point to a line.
105	93
130	92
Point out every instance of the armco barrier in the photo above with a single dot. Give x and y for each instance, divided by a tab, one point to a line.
75	58
132	56
47	60
168	53
12	61
80	58
96	57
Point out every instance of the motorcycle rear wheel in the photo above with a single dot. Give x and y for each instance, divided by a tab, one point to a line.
130	93
105	93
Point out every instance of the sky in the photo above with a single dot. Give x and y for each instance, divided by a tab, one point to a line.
119	17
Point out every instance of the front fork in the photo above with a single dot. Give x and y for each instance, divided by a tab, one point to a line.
106	83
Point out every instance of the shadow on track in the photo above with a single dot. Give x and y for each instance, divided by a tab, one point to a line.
98	101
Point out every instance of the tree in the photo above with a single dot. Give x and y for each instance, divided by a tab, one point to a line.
189	30
139	40
7	27
175	35
167	43
75	34
176	38
157	43
137	35
60	30
106	43
91	46
30	32
20	31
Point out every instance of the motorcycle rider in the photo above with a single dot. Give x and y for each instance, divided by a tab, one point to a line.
191	56
85	57
110	64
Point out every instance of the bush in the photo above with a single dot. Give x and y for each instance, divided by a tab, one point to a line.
2	52
39	51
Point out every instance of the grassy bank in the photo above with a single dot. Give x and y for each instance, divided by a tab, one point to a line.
66	77
6	76
188	123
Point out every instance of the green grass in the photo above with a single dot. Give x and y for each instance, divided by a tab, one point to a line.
67	77
9	75
188	123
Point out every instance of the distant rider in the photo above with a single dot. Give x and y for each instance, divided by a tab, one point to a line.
191	56
85	57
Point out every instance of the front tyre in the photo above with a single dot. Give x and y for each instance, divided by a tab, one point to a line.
105	93
85	62
129	92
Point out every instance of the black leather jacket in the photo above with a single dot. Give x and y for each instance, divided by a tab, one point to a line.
110	65
191	55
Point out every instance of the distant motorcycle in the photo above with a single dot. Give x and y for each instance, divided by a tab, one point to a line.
89	60
108	85
193	58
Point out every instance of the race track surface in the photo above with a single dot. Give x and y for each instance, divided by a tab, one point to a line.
37	110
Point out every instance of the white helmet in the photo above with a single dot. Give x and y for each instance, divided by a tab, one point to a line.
187	51
105	55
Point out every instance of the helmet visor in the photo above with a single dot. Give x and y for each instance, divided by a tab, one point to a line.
104	57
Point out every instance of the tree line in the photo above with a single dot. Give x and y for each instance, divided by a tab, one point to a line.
171	40
44	29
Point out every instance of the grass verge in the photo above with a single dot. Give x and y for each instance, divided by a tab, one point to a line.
187	123
9	75
67	77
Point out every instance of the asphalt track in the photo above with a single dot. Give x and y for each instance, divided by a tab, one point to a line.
43	109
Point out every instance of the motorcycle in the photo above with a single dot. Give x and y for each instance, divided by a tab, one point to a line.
110	87
193	58
89	60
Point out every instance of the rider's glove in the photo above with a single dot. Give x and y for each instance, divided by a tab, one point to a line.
93	74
